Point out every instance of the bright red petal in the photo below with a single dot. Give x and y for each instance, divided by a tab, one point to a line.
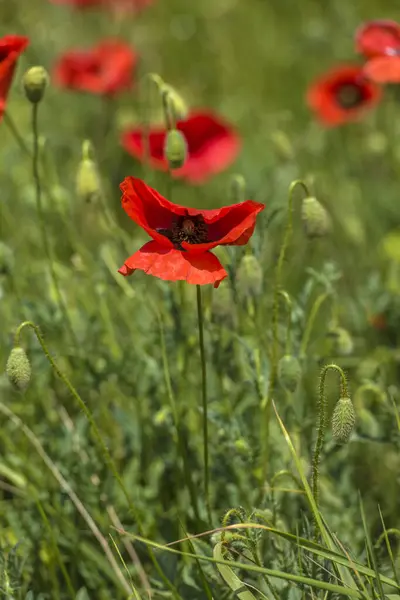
232	224
377	38
323	97
212	146
173	265
383	69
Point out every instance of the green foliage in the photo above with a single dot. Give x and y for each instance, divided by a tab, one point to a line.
129	347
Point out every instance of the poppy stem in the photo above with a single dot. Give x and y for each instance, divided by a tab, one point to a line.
42	221
275	320
321	407
204	400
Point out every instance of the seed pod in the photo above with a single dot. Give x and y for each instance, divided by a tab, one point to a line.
35	82
289	372
175	149
177	103
343	420
18	368
88	184
315	218
249	276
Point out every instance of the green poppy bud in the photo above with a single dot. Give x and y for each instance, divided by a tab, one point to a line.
343	420
315	218
175	150
18	368
6	259
289	372
35	82
249	276
88	184
222	305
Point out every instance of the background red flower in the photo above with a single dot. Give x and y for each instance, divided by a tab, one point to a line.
377	38
343	94
11	47
183	237
212	146
108	68
124	5
383	69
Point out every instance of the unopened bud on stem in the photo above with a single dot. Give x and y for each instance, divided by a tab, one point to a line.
315	218
175	150
343	420
18	368
35	82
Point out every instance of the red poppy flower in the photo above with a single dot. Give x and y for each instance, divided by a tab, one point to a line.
378	38
343	94
11	47
183	237
118	5
383	69
212	146
107	68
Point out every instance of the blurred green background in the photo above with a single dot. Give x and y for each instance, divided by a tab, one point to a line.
250	61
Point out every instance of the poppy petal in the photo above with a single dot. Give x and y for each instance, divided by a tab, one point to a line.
378	38
174	265
343	94
212	145
383	69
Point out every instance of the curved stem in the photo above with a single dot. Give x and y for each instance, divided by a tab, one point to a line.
97	435
275	320
368	387
204	400
42	221
344	393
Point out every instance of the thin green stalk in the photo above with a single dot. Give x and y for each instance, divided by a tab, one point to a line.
288	304
204	400
321	407
175	414
42	222
97	435
265	422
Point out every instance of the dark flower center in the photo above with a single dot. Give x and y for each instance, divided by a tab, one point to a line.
4	53
349	95
192	230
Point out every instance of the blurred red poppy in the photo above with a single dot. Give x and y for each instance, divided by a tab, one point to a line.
378	38
107	69
212	146
343	94
383	69
183	237
11	47
118	5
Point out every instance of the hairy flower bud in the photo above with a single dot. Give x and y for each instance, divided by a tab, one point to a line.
289	372
315	218
249	276
175	100
175	150
35	82
222	305
343	420
18	368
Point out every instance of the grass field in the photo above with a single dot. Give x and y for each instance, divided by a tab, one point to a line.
161	447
